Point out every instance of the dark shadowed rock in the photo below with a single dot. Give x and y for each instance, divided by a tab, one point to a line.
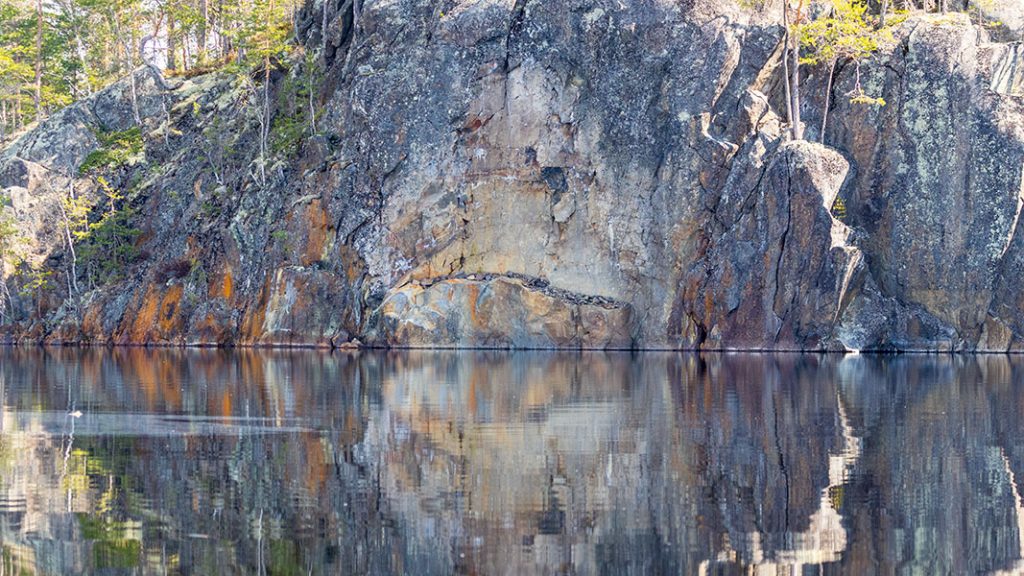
777	274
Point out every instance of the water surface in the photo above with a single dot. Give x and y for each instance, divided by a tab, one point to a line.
255	462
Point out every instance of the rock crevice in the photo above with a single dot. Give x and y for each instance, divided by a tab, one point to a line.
582	173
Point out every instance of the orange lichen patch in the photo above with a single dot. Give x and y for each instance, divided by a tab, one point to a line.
211	330
170	318
92	324
145	237
474	294
318	222
221	285
145	316
255	316
351	262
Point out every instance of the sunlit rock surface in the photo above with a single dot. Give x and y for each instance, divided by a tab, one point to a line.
607	174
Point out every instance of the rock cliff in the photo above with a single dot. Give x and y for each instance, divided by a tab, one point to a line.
582	173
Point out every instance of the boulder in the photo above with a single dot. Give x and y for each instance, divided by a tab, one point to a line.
500	312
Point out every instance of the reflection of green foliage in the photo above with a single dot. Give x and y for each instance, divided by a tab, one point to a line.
117	540
116	149
11	564
5	459
836	495
113	545
284	558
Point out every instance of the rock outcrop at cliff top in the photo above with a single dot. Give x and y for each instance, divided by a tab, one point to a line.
583	173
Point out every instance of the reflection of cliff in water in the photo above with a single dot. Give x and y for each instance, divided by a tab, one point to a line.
494	463
938	490
663	463
239	475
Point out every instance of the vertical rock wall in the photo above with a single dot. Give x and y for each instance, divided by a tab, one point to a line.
585	173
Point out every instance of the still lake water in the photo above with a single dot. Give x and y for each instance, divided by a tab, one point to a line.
250	462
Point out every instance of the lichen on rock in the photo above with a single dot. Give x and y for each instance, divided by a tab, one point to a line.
582	173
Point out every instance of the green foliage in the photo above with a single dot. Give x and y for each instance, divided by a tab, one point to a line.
896	18
867	100
117	149
108	246
88	44
839	209
263	32
291	123
845	34
286	134
10	234
210	210
104	242
76	215
35	281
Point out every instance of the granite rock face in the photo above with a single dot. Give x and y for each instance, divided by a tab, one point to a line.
937	190
778	269
501	313
583	173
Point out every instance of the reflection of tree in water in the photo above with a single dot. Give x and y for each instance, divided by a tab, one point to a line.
494	463
195	497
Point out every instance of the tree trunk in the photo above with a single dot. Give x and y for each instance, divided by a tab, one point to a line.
785	66
220	30
172	41
39	60
798	128
882	12
204	17
828	99
73	284
17	108
323	30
